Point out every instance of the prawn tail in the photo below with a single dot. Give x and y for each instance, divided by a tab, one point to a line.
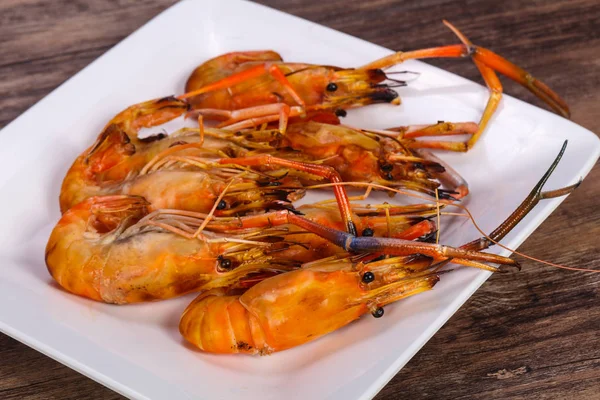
221	324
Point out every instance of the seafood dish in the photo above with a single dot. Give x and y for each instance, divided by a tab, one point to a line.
212	208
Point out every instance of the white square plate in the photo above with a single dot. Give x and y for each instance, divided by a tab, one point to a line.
137	350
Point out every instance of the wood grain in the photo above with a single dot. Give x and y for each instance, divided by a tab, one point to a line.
527	335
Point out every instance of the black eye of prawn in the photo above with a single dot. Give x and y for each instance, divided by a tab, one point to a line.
222	205
378	313
368	232
332	87
225	263
368	277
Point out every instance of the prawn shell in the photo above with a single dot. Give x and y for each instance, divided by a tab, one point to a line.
300	306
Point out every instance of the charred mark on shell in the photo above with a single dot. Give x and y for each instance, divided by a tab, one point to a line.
279	194
377	75
446	194
386	167
429	237
113	131
279	97
153	138
292	210
178	143
268	183
125	138
352	228
385	95
435	168
144	296
173	99
241	345
167	99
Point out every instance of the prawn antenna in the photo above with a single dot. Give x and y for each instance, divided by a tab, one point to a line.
498	234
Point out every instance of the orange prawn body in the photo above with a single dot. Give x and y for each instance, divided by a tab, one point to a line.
87	256
107	249
362	157
118	153
294	308
358	156
320	87
297	307
261	83
116	163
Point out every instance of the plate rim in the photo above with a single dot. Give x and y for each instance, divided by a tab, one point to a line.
395	367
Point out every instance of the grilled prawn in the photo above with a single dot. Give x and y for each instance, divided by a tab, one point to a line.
250	88
297	307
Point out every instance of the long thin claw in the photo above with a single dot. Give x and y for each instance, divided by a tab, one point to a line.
395	247
524	208
495	88
514	72
488	64
485	267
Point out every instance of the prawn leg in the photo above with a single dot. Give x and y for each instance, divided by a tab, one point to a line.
409	133
468	254
394	247
253	116
409	227
488	64
294	308
319	170
440	129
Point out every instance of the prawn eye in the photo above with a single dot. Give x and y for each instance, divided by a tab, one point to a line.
387	167
367	232
368	277
332	87
378	313
225	263
340	112
222	205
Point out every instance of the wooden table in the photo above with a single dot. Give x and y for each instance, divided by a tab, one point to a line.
533	334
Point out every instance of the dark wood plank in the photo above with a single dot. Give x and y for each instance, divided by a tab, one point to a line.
531	334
